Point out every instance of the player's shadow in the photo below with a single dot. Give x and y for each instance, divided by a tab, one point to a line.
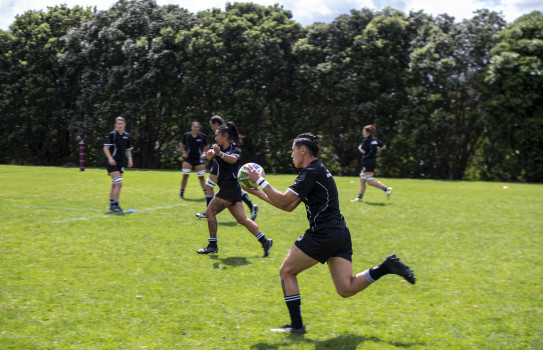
194	199
228	223
380	204
345	341
233	261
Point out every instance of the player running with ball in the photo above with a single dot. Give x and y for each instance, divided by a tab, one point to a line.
227	154
327	239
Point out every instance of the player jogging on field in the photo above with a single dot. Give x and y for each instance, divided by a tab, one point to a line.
193	148
227	154
118	150
327	239
369	148
211	182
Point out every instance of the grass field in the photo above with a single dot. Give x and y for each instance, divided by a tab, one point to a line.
72	277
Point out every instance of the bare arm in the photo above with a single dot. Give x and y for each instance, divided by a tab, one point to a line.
204	153
129	156
110	159
229	158
183	152
286	201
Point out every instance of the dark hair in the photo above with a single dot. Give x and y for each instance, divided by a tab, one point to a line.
217	119
120	118
370	129
310	141
192	124
230	129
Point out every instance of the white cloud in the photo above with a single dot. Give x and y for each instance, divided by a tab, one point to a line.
303	11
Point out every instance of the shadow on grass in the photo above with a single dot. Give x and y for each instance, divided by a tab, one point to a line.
232	261
194	199
228	223
381	204
346	341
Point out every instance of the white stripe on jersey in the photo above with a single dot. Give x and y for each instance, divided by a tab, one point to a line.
326	206
291	190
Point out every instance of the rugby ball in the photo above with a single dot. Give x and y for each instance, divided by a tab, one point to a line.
244	180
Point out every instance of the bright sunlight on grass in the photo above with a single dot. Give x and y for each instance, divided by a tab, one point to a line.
72	277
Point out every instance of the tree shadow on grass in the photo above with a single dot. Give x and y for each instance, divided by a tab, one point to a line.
233	261
345	341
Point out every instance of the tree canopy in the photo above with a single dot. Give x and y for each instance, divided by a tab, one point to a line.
452	100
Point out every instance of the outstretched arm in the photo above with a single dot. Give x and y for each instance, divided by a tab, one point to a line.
286	201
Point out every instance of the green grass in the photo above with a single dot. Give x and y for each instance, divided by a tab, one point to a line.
72	277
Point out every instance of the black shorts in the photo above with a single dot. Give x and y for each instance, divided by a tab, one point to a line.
194	161
369	164
229	193
322	246
114	168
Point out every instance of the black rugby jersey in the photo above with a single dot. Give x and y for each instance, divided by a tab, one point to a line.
371	145
317	189
227	174
118	145
194	146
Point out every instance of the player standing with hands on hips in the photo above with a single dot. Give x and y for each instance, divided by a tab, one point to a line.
118	150
327	239
369	148
227	154
193	148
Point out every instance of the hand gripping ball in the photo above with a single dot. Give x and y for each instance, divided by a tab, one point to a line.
244	180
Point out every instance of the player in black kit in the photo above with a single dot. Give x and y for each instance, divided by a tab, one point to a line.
327	239
118	150
211	182
193	149
369	148
227	154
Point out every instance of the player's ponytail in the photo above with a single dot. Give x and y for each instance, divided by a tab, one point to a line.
230	129
310	141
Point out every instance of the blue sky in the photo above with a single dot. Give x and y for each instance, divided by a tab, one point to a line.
304	11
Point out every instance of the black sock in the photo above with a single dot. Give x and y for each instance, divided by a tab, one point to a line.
261	238
384	188
247	200
182	191
212	241
208	199
379	271
294	305
359	195
113	202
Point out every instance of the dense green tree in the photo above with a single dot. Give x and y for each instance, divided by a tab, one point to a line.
243	65
32	96
351	74
513	150
124	62
444	102
443	125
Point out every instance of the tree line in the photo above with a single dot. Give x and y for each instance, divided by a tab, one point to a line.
452	100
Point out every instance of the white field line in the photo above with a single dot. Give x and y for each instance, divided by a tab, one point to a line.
106	215
48	207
